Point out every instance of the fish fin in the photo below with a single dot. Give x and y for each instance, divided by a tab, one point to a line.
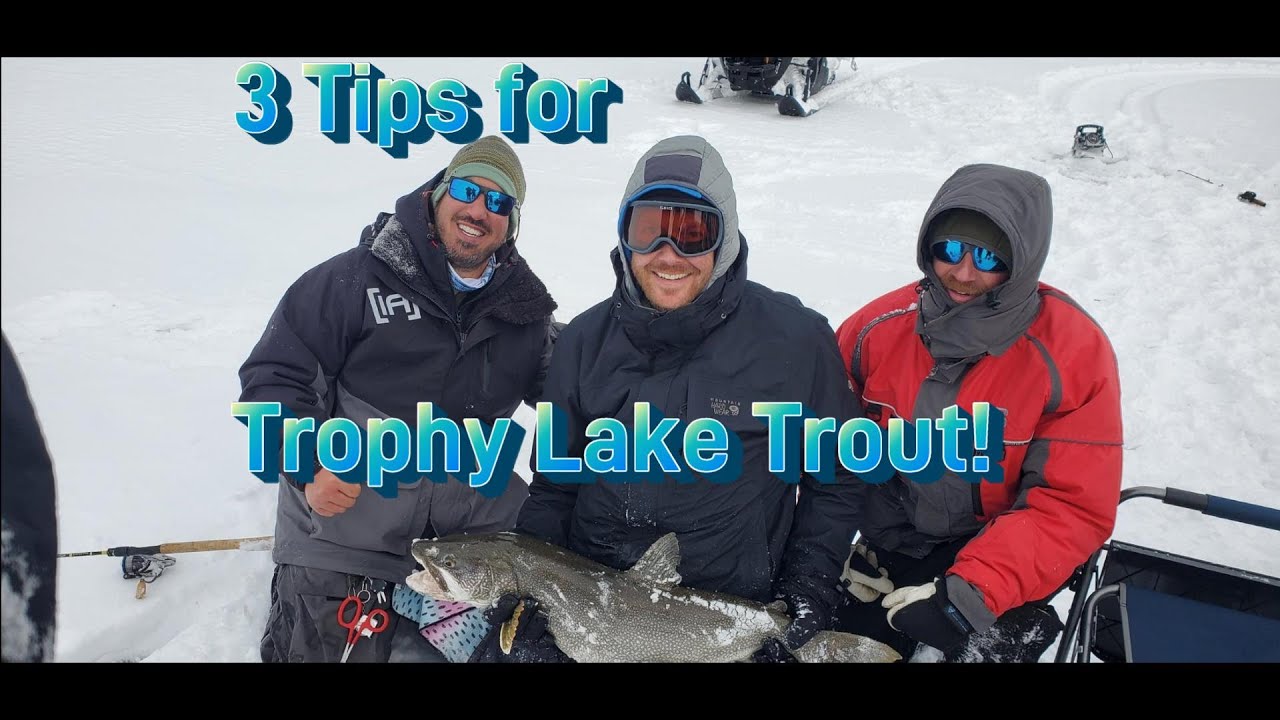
659	563
507	633
829	646
778	606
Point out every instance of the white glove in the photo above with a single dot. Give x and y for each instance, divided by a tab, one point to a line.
902	597
862	585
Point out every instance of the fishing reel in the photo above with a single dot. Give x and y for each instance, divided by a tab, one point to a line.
1249	196
145	568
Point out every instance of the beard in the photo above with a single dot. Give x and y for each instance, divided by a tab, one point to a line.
466	259
652	287
466	253
965	288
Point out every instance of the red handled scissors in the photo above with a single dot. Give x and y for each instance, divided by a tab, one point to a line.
360	624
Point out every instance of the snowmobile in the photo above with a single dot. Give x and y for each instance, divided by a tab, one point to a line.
1090	143
791	81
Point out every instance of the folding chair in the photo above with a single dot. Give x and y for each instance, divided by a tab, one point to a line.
1147	605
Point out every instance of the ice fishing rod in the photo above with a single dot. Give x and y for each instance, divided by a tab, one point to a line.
147	562
1248	196
180	547
1184	172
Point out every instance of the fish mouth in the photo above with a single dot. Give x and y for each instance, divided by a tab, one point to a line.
433	580
425	582
435	583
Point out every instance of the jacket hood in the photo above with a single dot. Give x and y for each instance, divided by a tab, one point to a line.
688	163
1021	204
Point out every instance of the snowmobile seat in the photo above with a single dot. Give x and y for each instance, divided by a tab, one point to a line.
1144	605
755	74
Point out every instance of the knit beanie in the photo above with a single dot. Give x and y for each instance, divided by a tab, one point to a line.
491	158
975	228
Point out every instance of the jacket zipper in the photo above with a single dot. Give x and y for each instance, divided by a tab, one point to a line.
456	320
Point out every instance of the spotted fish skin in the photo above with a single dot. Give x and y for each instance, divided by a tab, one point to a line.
599	614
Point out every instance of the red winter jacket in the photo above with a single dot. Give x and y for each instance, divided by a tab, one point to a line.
1054	375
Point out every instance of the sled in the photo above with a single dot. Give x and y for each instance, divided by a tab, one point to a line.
1145	605
1090	142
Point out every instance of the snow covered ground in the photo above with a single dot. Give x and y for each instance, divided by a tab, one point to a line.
147	238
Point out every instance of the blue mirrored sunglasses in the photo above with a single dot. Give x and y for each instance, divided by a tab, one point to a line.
498	203
953	251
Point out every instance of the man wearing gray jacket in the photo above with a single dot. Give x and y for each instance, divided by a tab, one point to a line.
434	304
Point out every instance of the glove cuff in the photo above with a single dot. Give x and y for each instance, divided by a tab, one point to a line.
969	601
950	612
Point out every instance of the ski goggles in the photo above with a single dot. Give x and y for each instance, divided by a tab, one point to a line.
952	251
691	230
497	202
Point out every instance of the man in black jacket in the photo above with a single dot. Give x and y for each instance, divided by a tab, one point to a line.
28	504
687	332
434	304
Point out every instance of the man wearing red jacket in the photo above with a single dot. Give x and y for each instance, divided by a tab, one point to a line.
962	567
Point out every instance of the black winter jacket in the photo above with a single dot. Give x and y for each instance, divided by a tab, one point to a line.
371	333
737	343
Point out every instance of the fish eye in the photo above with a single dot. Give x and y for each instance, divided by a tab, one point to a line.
448	561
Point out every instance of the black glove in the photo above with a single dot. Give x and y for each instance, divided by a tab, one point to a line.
808	617
924	614
1021	635
531	641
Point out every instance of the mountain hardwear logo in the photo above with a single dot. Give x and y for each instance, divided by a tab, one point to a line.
385	307
725	407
